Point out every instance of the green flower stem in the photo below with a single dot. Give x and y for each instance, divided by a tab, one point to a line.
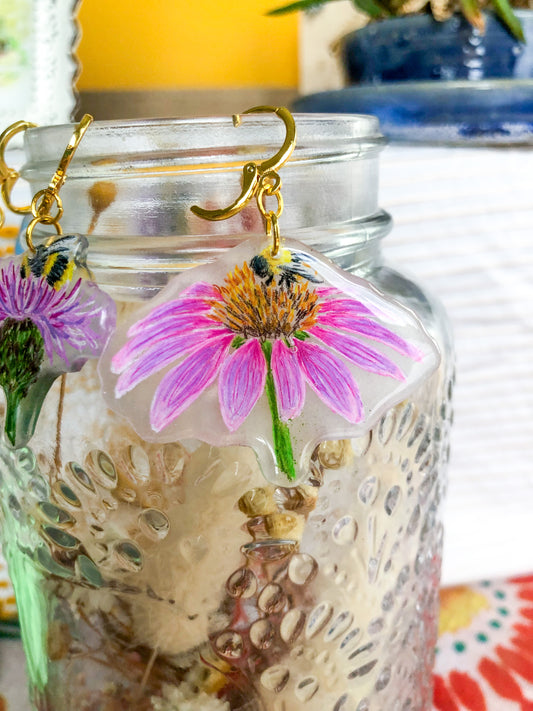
21	356
280	430
10	426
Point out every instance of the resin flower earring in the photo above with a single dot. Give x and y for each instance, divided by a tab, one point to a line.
52	316
271	346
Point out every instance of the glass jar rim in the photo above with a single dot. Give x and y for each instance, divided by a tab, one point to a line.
131	185
199	144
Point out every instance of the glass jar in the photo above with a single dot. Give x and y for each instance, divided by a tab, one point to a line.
158	577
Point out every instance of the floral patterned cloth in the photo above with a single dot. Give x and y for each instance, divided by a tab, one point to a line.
484	658
8	235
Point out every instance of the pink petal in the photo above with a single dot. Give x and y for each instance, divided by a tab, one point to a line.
325	291
154	359
356	352
373	330
183	322
138	345
288	380
184	383
241	383
331	380
170	311
345	307
201	290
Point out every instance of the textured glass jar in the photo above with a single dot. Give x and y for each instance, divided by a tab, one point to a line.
162	577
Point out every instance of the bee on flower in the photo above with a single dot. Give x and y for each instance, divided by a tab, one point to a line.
286	266
50	323
260	331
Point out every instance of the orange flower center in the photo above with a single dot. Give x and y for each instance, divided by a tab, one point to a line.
253	309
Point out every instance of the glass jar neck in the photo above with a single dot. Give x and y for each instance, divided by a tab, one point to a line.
138	267
131	187
364	258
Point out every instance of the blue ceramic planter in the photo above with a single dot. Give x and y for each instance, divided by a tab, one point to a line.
418	48
438	81
498	111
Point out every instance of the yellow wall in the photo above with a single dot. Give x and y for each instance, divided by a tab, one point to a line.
183	44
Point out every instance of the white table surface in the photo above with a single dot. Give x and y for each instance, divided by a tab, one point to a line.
464	228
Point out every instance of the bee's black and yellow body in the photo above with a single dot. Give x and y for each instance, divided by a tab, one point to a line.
285	266
56	262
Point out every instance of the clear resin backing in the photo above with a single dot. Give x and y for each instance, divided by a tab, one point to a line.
275	352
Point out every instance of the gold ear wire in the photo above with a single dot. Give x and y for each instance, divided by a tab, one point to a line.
44	199
250	182
9	176
254	173
285	152
60	175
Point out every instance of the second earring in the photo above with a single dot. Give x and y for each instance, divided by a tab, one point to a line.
271	346
53	317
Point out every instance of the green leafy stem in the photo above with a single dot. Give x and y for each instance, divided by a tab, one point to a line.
280	430
379	9
21	356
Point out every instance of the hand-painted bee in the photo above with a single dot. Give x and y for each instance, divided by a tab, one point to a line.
57	261
285	265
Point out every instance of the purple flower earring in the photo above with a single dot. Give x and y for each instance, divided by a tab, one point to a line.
271	346
52	317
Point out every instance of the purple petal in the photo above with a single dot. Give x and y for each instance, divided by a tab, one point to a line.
58	315
288	380
184	383
331	380
241	383
356	352
64	316
159	356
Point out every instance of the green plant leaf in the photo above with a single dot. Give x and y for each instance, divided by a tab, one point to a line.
238	342
509	19
372	8
298	5
473	14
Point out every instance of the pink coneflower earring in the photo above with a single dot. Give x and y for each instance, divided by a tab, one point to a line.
271	346
53	317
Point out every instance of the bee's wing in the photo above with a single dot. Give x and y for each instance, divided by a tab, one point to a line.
68	243
304	271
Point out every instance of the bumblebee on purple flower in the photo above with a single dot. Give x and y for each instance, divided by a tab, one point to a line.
49	324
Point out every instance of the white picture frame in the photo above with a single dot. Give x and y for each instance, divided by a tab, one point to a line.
320	32
37	61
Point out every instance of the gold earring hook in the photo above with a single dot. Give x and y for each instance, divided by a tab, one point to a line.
252	173
9	176
60	175
285	152
44	199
